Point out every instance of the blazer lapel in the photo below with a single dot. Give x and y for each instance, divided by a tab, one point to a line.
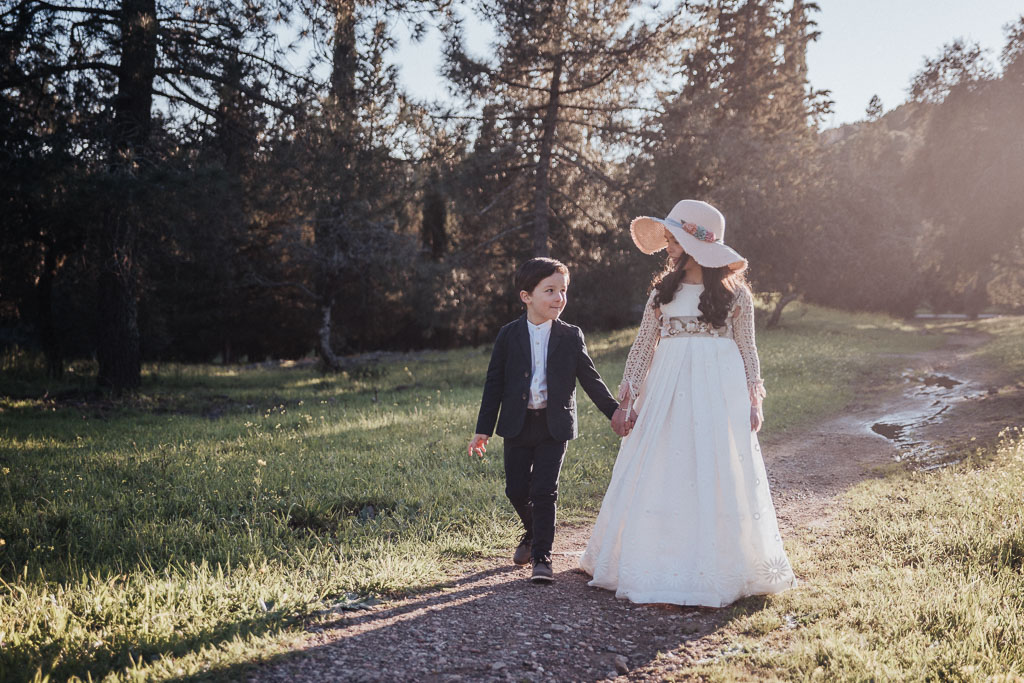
523	338
557	332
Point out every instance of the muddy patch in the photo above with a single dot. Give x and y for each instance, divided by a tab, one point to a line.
926	402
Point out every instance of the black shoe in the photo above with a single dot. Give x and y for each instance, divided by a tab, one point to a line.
523	550
542	572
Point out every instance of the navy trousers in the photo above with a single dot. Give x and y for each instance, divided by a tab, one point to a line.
533	461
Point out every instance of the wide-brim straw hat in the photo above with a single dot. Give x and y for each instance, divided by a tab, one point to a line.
697	226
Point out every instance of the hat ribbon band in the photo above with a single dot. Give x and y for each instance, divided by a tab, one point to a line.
698	231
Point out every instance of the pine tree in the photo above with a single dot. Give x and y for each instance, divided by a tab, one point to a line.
354	155
557	101
115	60
741	133
874	109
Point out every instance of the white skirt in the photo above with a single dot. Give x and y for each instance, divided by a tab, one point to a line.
688	518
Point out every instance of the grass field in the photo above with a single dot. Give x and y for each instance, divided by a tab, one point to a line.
919	580
1007	345
194	525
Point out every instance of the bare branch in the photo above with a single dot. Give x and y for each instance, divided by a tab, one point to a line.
587	169
183	96
583	211
499	196
41	5
167	72
56	70
197	40
264	282
592	84
477	247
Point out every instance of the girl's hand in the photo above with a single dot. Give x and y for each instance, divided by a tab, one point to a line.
478	444
756	418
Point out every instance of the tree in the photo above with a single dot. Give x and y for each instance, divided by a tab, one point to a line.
867	257
354	150
114	61
968	172
557	100
741	133
960	64
874	109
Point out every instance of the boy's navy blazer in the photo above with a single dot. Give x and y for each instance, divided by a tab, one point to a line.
508	381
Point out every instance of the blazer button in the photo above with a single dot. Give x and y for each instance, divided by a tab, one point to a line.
524	397
526	374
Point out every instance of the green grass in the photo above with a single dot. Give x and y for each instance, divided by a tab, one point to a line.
921	579
195	525
1007	345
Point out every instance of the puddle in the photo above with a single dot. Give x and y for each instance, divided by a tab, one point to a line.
944	381
925	400
889	431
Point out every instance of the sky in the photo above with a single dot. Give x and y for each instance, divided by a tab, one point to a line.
872	47
866	47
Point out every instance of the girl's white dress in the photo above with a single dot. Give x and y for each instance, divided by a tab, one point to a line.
688	518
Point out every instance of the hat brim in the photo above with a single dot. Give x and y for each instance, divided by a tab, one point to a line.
649	236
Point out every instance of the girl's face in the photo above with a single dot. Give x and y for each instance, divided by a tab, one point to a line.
674	249
547	299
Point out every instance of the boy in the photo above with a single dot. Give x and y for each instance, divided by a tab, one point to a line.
532	379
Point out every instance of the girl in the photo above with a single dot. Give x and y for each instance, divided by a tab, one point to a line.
688	518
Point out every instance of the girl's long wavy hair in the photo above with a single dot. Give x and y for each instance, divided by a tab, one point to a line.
720	287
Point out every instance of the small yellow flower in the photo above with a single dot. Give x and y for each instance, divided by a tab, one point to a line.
6	470
261	462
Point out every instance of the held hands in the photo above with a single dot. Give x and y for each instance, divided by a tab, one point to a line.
621	423
479	444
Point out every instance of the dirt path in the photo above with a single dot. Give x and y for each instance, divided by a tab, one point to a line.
490	624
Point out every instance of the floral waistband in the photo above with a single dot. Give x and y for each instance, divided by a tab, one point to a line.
689	326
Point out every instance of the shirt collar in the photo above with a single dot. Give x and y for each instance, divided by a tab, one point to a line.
546	325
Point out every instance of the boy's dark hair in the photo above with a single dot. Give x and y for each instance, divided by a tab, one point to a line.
533	271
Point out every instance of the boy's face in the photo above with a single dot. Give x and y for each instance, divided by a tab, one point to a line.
547	299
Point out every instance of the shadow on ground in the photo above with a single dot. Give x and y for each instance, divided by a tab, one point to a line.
496	625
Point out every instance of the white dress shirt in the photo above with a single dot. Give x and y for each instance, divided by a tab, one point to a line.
539	336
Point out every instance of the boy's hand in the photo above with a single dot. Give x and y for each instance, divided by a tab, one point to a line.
478	444
620	423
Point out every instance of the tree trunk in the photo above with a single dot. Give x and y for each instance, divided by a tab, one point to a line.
328	359
777	313
341	140
118	350
542	189
118	343
434	217
44	304
976	296
344	63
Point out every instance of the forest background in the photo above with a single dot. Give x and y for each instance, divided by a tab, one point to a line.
236	180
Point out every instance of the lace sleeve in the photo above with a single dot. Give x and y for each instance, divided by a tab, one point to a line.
640	354
743	333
